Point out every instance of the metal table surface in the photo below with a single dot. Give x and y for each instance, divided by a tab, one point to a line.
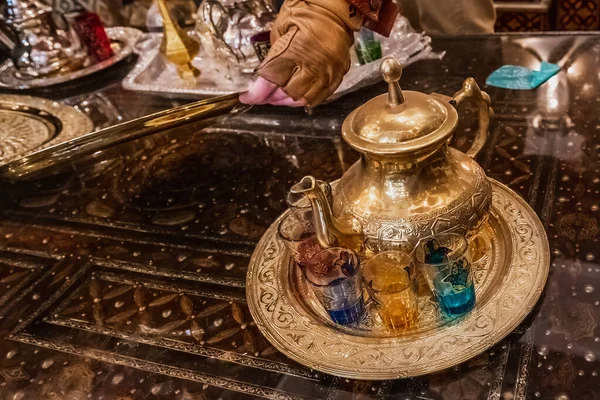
125	279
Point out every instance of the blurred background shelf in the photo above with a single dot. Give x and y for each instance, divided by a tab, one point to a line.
547	15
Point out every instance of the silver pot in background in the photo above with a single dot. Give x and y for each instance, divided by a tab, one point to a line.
235	32
39	46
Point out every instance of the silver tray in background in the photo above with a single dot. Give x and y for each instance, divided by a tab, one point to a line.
122	41
152	74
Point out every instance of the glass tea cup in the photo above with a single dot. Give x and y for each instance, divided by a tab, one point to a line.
392	283
299	238
446	265
335	278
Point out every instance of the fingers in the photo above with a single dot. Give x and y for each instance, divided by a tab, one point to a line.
259	92
289	102
265	92
277	95
317	94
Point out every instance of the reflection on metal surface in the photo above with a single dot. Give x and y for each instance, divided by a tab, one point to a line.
517	268
31	123
232	179
179	48
98	107
58	156
408	184
122	41
40	48
227	28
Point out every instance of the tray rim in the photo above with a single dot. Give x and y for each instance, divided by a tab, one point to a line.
461	353
74	122
127	35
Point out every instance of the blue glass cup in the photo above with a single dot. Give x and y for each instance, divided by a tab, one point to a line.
446	265
335	277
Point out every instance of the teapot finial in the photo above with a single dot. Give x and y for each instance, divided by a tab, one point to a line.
392	71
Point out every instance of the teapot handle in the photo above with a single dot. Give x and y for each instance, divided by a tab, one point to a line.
215	27
470	89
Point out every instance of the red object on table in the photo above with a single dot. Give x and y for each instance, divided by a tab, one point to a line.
91	31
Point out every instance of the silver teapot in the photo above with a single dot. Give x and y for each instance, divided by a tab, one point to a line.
39	47
228	30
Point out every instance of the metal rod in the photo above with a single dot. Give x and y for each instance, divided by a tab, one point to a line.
91	143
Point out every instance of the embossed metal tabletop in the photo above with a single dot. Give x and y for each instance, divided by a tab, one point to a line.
125	277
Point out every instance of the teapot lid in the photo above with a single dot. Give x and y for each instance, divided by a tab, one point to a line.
400	121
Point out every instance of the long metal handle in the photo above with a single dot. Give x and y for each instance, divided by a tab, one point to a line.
91	143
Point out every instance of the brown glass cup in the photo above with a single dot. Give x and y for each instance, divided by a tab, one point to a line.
299	237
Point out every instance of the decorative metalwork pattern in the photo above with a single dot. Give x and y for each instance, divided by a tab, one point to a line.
195	263
522	22
573	15
286	322
16	273
208	323
151	367
31	123
464	213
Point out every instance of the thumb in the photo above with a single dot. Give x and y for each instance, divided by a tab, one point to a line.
259	92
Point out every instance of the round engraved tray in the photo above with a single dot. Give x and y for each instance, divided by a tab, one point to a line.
509	279
32	123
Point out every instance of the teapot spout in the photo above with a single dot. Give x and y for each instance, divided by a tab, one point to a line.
330	231
322	215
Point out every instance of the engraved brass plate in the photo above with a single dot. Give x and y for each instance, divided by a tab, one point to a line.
510	277
32	123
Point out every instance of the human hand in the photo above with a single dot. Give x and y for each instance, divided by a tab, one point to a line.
310	54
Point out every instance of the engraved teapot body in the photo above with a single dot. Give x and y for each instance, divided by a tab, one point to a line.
408	184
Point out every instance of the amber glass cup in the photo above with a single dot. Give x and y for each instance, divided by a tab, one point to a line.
391	280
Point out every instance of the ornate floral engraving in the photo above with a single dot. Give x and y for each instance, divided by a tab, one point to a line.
467	213
285	321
